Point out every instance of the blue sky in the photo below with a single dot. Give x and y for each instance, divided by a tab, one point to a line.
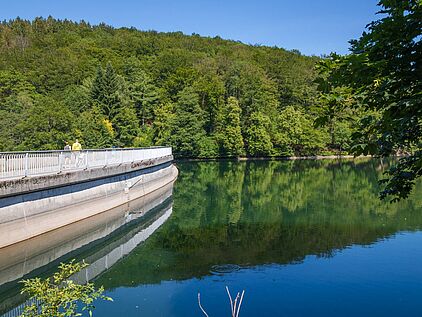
311	26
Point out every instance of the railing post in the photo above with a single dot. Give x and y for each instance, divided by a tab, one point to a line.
86	159
25	173
106	158
60	162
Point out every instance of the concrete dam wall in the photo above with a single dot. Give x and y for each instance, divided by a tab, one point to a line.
100	240
31	206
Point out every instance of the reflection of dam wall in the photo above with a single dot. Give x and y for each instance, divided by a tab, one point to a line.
29	215
24	257
103	238
104	263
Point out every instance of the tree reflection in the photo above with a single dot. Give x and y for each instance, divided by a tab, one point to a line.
265	212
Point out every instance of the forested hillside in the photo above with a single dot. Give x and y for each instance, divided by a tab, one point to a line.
207	97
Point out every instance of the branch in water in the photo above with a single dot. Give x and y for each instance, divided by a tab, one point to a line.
233	305
235	308
200	306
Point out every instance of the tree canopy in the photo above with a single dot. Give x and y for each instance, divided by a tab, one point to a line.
382	81
206	97
209	97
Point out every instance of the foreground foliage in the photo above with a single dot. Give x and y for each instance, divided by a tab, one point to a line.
382	80
59	295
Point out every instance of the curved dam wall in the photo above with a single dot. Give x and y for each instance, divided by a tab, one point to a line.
21	258
100	240
34	206
19	186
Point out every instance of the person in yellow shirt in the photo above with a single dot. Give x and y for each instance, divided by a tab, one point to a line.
76	148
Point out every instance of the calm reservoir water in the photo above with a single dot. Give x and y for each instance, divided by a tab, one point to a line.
305	238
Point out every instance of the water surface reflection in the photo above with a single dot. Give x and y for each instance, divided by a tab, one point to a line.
276	224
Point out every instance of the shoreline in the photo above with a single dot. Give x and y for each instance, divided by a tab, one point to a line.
278	158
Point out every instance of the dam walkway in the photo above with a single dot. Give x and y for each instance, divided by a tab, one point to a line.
25	172
34	163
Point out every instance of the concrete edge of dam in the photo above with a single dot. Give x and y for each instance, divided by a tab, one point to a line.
18	186
90	239
36	205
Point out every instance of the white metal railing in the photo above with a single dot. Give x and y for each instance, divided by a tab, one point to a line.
23	164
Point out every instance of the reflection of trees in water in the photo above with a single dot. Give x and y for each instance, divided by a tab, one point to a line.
252	213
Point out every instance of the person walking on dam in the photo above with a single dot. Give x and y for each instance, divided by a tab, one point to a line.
67	154
76	148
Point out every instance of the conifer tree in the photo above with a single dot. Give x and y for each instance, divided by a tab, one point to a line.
106	92
97	89
144	95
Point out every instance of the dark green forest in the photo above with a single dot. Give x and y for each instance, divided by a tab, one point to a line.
206	97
